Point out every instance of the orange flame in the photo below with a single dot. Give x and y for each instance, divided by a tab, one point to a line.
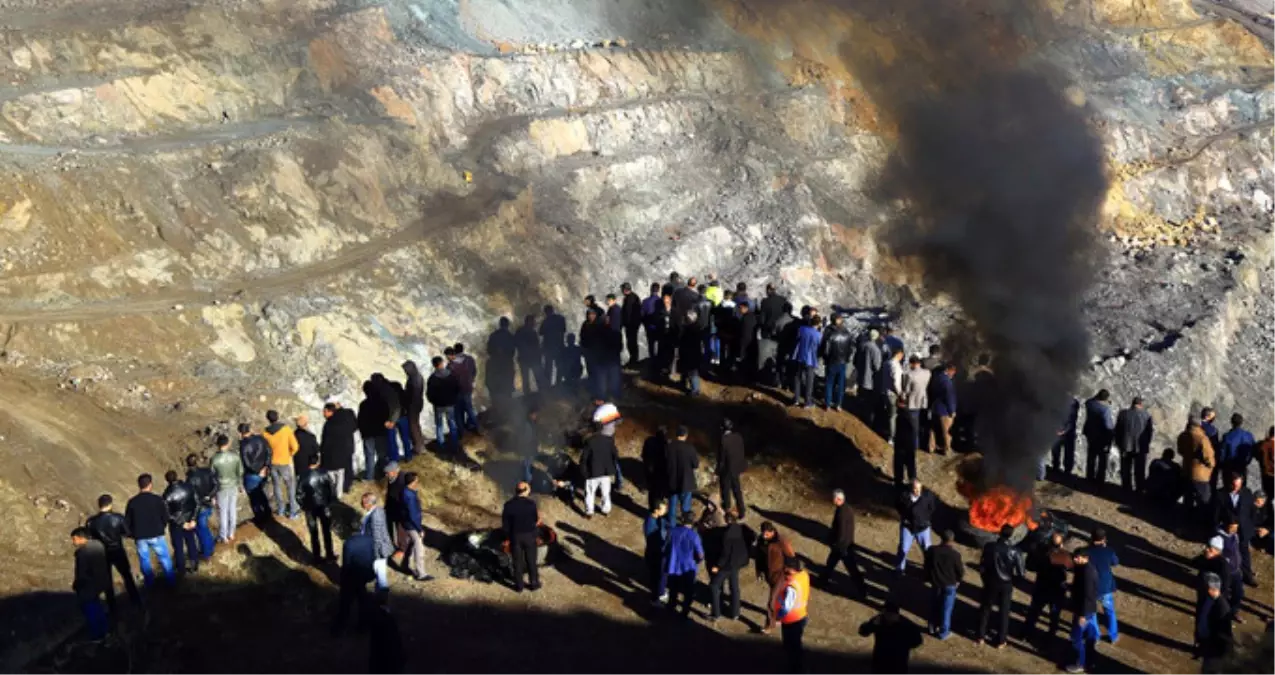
997	507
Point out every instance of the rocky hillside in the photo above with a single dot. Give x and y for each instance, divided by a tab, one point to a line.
212	208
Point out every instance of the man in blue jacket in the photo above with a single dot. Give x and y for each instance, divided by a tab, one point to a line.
1103	559
682	556
410	513
357	570
1236	449
806	357
942	395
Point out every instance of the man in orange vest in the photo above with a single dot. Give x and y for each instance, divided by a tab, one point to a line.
788	607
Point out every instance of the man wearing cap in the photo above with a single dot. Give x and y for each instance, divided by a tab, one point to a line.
1211	562
521	522
1213	633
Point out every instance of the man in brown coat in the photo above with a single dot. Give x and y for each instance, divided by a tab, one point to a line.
772	549
1197	465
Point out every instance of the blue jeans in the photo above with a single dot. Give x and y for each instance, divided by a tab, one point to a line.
834	385
399	440
449	414
906	537
693	378
255	486
160	546
204	532
465	412
1107	601
184	546
941	615
684	498
95	617
373	448
714	348
1084	637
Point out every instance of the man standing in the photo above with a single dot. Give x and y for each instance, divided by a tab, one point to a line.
598	461
651	324
145	519
1208	422
1001	565
889	388
283	446
1084	606
631	318
1228	532
682	462
376	525
1197	463
1236	449
521	521
1064	450
1214	635
1134	430
733	557
770	309
655	531
443	392
553	333
593	343
1103	559
690	354
337	444
837	349
916	508
255	456
204	484
1266	458
1100	426
318	493
682	557
228	468
655	465
307	446
109	528
465	369
788	603
1051	561
946	570
500	363
942	398
527	343
746	357
92	579
614	314
896	637
868	360
916	385
731	463
841	545
181	505
1164	480
1236	505
806	358
771	552
413	407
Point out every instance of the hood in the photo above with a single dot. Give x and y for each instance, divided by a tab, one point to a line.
274	428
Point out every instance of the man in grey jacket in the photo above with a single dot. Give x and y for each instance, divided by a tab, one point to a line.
376	526
889	391
867	365
1133	438
916	380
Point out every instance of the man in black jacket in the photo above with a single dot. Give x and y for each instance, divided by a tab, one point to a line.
413	407
109	528
682	462
655	465
946	570
1214	634
1001	564
916	508
202	481
841	545
731	463
530	358
92	579
318	493
307	445
553	334
631	318
725	569
1236	505
255	454
593	341
1050	561
500	363
896	637
337	445
521	522
1133	439
372	419
182	506
146	519
745	351
1084	606
771	308
443	392
598	461
837	350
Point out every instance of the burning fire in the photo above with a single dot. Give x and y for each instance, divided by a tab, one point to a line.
994	507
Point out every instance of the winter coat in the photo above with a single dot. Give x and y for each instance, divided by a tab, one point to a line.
1134	430
255	454
1197	454
528	345
1100	423
442	389
731	460
283	443
631	311
229	470
682	463
867	362
838	346
806	351
337	443
414	391
599	457
181	502
916	385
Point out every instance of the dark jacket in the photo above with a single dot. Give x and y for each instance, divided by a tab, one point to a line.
442	389
943	566
655	463
746	336
838	345
1204	566
255	453
682	463
1051	563
181	502
768	312
896	637
1134	430
684	300
146	516
1235	450
615	317
307	447
942	394
414	390
868	359
599	457
357	555
916	515
734	548
390	396
1084	591
1100	425
1214	633
690	353
519	516
731	460
394	499
1241	511
316	490
1102	559
92	573
1001	563
527	342
410	511
109	528
553	330
202	480
501	348
337	448
841	532
703	314
631	311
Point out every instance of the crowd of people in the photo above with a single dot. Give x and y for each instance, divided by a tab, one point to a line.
692	331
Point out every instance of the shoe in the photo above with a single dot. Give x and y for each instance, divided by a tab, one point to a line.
588	516
1114	640
606	513
1075	668
533	588
664	598
517	589
1250	582
657	603
428	577
943	636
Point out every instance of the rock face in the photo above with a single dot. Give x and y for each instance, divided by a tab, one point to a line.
205	205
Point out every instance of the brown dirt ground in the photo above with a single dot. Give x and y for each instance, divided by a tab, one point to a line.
258	607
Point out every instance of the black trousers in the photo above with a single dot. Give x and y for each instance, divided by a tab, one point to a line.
314	520
681	586
715	583
847	557
117	558
1042	598
730	486
1133	471
654	560
523	549
352	593
792	633
904	463
182	537
999	593
631	341
549	367
1096	456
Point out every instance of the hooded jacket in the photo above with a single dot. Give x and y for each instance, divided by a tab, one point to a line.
1196	453
283	443
181	502
414	391
442	389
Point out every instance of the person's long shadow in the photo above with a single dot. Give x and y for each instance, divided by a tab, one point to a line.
1135	551
615	573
